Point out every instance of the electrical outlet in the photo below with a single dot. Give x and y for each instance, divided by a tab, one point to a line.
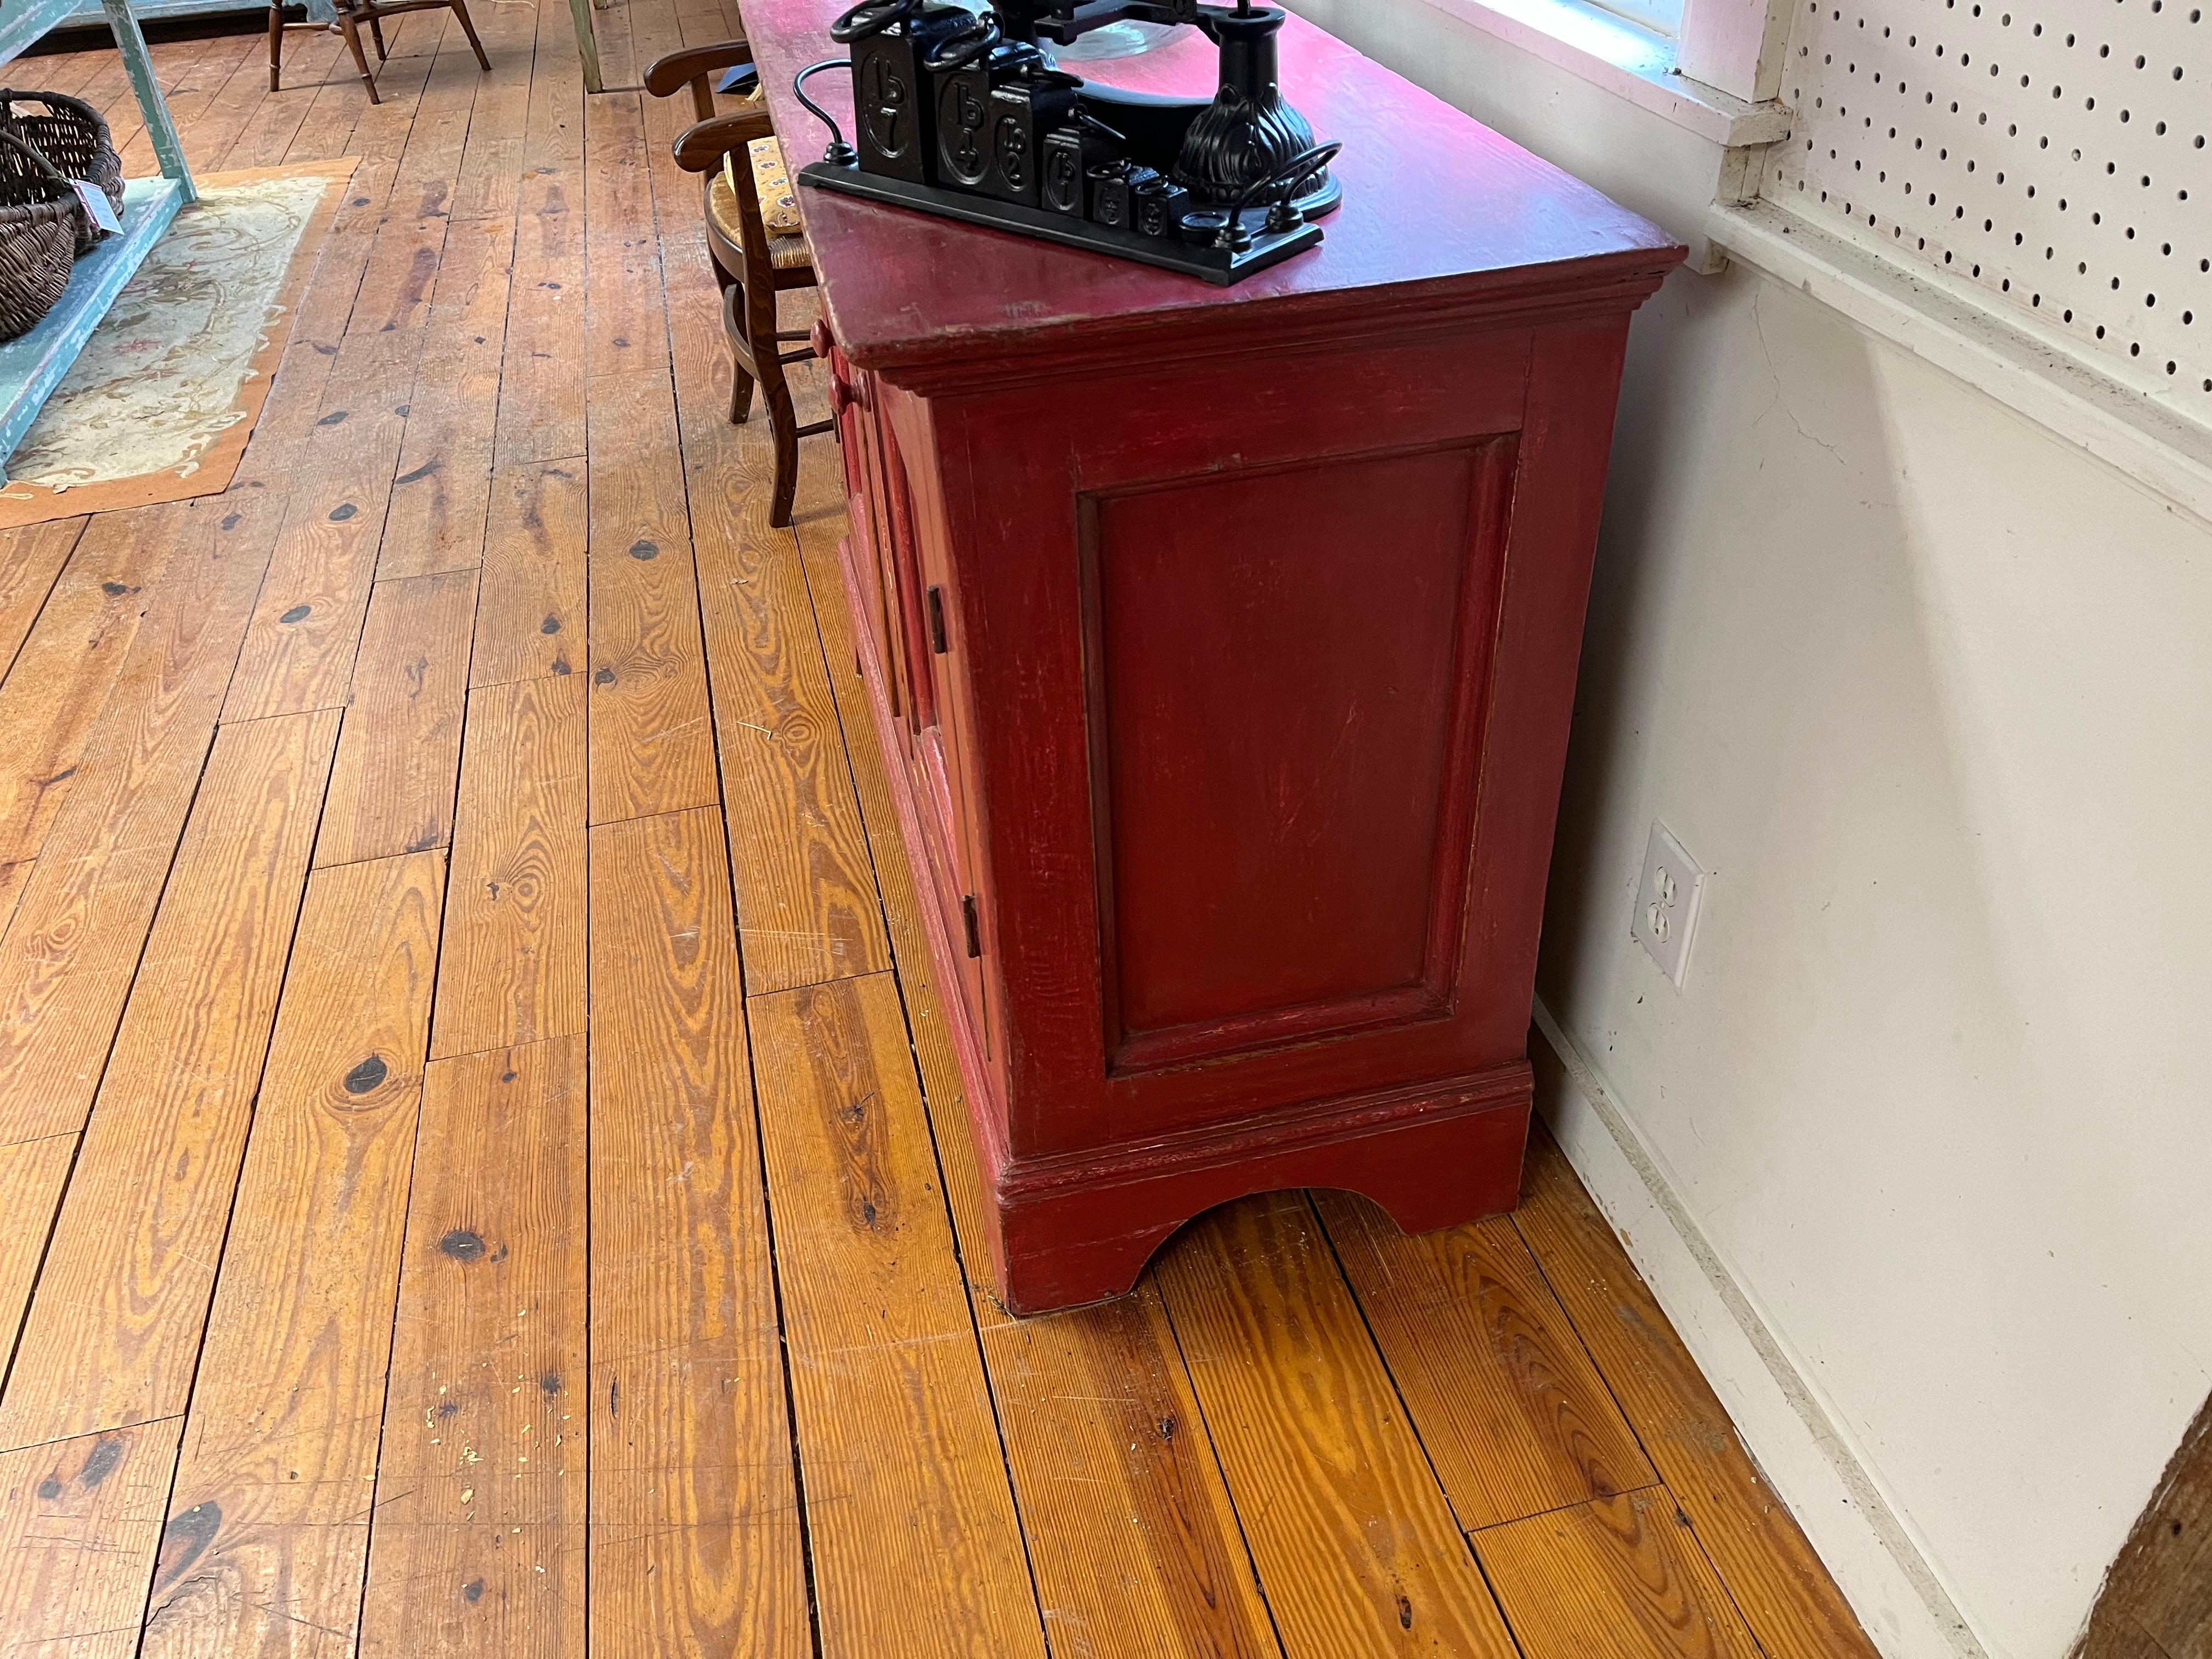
1667	902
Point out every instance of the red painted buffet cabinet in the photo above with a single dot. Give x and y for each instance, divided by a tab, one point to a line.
1218	594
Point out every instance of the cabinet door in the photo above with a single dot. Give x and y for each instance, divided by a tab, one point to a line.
845	411
937	747
901	640
863	495
903	579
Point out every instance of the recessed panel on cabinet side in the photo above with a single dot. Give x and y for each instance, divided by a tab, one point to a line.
1284	670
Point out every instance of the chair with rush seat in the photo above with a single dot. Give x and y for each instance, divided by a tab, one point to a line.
350	17
758	252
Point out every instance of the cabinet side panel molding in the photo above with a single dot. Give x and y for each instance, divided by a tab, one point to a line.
1222	656
1285	669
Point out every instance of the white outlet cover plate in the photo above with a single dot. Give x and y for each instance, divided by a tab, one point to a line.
1667	902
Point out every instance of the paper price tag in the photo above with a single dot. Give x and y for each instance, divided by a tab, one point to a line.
96	207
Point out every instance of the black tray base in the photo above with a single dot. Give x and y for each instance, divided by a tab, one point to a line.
1217	265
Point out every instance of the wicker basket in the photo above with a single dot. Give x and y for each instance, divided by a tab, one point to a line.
71	134
40	215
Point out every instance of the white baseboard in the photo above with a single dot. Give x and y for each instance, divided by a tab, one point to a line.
1869	1550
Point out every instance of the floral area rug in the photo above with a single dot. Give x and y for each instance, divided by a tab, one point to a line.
159	404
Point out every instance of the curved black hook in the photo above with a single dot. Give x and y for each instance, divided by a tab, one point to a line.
839	153
965	45
1284	182
870	17
1294	172
1290	179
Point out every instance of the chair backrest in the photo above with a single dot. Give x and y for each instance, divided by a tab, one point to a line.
718	141
692	65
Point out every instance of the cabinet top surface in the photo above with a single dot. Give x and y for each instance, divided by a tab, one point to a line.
1438	209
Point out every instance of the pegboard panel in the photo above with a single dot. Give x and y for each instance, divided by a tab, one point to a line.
2053	151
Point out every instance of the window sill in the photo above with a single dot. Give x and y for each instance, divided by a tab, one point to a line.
1634	64
1945	321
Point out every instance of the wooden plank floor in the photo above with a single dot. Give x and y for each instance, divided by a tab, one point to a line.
481	1166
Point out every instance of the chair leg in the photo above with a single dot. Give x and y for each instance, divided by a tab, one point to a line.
360	60
783	429
461	11
275	45
759	318
775	394
741	383
376	33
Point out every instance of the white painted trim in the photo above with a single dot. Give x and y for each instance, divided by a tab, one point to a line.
1634	63
1736	46
1876	1560
2041	373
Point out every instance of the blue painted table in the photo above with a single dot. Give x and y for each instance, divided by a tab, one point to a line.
83	14
32	365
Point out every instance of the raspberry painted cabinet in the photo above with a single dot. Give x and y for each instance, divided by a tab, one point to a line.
1222	644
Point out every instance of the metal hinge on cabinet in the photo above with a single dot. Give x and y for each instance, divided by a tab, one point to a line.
937	620
975	932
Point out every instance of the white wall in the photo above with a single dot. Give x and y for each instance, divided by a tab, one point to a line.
1926	690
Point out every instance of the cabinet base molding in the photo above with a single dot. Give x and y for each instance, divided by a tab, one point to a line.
1069	1230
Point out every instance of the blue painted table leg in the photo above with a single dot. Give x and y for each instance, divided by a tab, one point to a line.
131	43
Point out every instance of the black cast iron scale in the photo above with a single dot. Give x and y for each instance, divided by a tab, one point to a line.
967	115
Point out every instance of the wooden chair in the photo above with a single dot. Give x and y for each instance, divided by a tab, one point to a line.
752	264
350	17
